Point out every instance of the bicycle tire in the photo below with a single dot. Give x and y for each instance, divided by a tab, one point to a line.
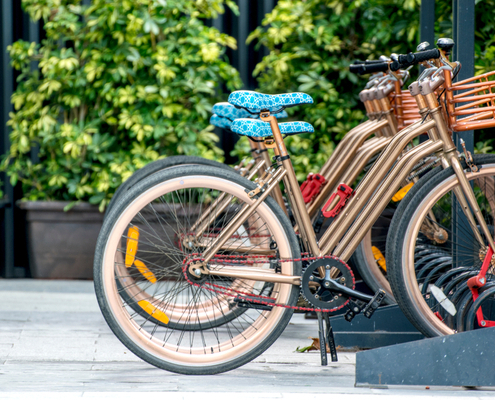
148	170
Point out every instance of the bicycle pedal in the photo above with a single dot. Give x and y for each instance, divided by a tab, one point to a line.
354	308
374	303
247	302
349	315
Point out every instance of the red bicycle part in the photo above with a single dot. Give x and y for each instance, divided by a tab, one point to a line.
312	186
344	192
479	281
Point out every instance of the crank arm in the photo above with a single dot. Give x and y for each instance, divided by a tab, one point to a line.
337	287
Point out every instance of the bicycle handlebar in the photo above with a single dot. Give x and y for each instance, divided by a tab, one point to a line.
401	62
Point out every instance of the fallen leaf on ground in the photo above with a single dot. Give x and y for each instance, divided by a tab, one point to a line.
314	346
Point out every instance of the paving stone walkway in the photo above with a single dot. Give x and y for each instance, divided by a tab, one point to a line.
54	344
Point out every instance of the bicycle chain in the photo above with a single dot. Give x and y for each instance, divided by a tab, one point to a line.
258	299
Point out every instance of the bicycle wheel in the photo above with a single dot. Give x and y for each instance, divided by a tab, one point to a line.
429	222
163	208
156	166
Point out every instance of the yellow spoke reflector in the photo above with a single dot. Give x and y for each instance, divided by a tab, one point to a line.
145	271
153	311
380	259
132	245
401	193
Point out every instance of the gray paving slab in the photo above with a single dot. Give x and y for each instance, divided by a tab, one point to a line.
55	344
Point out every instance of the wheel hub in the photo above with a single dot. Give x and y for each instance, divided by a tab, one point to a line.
197	272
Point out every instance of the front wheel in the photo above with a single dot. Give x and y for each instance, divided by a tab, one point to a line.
163	209
435	251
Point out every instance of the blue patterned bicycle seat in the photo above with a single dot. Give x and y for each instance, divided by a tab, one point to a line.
220	122
257	128
256	102
227	110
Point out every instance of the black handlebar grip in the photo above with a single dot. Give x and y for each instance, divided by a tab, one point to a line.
356	68
406	60
395	65
362	69
376	67
420	56
426	55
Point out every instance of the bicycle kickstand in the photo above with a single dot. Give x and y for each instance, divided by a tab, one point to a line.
325	333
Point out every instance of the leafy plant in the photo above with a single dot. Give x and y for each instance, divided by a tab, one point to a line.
120	84
484	147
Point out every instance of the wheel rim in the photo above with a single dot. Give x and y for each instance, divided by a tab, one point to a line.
235	345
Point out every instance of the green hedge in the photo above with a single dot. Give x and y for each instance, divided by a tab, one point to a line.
120	84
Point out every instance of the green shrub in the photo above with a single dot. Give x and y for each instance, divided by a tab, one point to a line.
120	83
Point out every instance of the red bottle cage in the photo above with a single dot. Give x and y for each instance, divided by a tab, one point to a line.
344	192
312	186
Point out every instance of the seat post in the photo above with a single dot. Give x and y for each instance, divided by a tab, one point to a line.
292	186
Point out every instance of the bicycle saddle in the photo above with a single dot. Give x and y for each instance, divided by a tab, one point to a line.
227	110
257	128
220	122
256	102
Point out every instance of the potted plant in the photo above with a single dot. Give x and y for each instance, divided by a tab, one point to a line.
119	84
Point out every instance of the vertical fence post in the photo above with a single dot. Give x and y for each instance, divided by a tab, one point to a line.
427	21
463	13
242	34
7	76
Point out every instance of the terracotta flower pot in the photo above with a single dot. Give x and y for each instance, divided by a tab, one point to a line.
61	245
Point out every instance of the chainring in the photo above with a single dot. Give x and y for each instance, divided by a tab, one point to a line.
313	285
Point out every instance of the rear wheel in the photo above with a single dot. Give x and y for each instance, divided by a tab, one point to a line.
163	209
